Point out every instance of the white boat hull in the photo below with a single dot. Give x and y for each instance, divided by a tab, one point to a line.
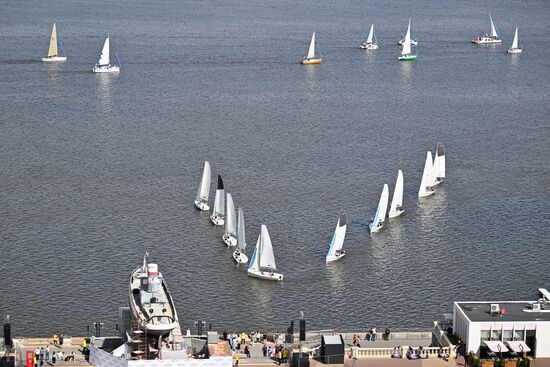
201	205
54	59
229	240
335	257
369	46
217	220
515	50
426	193
438	181
484	40
265	275
239	257
375	229
395	214
106	69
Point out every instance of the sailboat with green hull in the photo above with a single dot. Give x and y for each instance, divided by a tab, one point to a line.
406	51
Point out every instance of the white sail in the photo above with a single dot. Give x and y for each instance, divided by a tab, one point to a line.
241	238
397	199
380	215
339	234
52	51
439	162
515	42
311	52
267	258
254	264
427	176
219	200
230	218
104	58
493	29
407	44
371	34
204	187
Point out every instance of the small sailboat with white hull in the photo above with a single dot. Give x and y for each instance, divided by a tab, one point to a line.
439	164
53	53
396	207
377	223
311	58
230	235
201	201
239	255
514	49
151	303
488	38
218	215
262	264
371	42
104	64
406	51
426	184
335	250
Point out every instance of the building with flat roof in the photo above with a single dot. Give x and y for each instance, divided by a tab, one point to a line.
505	327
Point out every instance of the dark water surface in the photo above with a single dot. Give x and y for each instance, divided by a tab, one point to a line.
94	169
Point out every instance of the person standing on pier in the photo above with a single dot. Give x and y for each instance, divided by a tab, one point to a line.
47	353
37	354
236	359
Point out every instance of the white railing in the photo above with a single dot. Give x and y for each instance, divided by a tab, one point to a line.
364	353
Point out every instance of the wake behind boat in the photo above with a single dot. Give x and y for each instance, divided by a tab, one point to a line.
311	59
396	207
53	54
377	222
426	185
218	215
239	255
439	164
151	303
230	234
201	201
262	265
335	250
488	38
104	63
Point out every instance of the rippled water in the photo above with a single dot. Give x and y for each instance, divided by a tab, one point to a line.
94	169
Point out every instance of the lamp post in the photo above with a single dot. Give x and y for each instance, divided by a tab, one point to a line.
200	325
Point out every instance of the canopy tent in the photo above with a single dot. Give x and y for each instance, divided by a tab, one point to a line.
495	346
518	346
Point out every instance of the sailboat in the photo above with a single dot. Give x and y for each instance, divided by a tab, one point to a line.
377	223
371	42
201	202
218	215
239	255
230	235
311	58
262	265
151	302
335	251
426	184
514	49
492	38
53	54
439	164
104	63
406	51
396	207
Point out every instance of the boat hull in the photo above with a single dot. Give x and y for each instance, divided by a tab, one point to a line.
229	240
267	275
311	61
54	59
426	193
239	257
369	46
335	257
106	69
201	205
438	181
375	229
395	214
515	50
486	40
407	58
217	220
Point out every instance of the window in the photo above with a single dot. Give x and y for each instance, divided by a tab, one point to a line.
496	335
518	334
485	335
507	335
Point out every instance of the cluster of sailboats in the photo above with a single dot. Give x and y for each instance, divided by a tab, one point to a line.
262	263
104	64
493	38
